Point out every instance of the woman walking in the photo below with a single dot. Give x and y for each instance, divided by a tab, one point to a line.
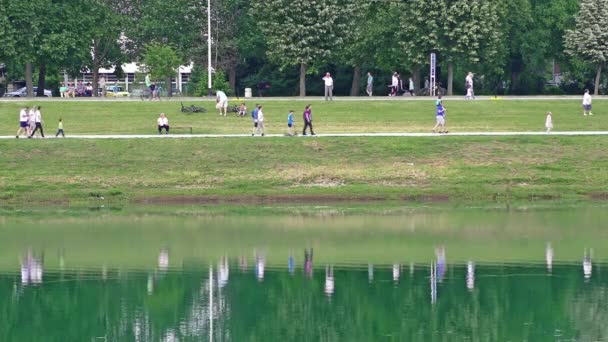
308	120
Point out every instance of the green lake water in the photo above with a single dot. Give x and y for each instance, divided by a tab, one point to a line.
318	275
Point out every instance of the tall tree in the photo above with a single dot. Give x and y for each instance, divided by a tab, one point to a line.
589	39
303	32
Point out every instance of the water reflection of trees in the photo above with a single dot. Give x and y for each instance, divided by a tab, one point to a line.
508	302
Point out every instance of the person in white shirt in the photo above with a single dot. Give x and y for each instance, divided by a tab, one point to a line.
221	102
587	103
549	122
163	122
260	127
37	122
22	122
469	86
329	86
102	85
31	121
394	84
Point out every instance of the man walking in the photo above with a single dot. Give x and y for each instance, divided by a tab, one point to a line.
587	103
222	102
370	84
23	122
329	86
37	122
308	120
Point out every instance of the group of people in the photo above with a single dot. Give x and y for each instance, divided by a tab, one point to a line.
30	122
152	89
397	87
68	89
257	115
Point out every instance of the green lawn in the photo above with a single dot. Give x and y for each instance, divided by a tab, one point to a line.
84	117
313	170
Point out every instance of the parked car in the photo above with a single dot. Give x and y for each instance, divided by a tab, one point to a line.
22	92
116	91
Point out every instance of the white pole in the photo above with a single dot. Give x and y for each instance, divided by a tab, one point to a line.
210	303
209	47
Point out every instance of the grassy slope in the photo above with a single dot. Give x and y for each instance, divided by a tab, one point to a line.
341	116
462	168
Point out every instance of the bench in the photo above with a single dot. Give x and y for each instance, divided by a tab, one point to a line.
182	127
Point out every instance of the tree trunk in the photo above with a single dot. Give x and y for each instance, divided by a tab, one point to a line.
598	75
354	89
41	79
95	81
169	87
302	80
28	79
232	79
450	78
416	79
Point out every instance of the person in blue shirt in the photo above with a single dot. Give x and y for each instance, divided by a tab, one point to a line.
254	117
290	129
440	118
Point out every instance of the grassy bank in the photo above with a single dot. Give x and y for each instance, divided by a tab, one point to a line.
82	117
278	170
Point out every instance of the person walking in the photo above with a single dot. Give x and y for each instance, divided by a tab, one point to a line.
370	84
149	85
222	102
290	129
329	86
102	85
587	103
394	84
23	116
60	128
411	87
308	120
440	119
254	117
31	121
468	83
37	122
549	122
260	120
163	122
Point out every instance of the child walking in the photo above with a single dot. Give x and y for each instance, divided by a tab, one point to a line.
60	128
549	122
440	117
290	129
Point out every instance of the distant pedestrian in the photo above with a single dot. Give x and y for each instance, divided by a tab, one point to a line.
60	128
427	85
222	102
37	122
329	86
370	84
150	86
587	103
439	101
290	129
163	122
468	83
394	84
411	87
23	118
260	120
254	117
308	120
549	122
440	119
31	121
102	85
155	89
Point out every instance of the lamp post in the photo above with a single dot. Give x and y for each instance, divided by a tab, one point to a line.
209	48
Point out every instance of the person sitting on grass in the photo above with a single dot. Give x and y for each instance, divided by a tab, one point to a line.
440	117
242	110
163	122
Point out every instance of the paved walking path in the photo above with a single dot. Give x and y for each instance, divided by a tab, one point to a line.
328	135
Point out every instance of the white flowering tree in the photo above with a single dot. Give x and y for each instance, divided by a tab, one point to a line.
589	39
303	33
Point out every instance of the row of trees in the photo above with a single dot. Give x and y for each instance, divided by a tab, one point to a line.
507	43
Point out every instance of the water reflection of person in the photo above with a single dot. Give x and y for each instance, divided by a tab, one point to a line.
291	264
370	273
470	275
329	280
549	257
243	264
308	254
433	283
587	266
260	264
223	272
441	263
396	273
163	260
31	269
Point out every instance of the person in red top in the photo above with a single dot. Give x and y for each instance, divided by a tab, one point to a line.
308	120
